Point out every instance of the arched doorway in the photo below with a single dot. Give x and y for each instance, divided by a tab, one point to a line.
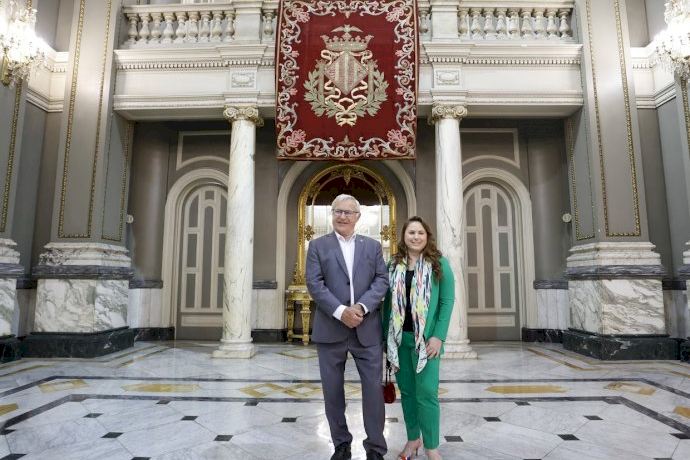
492	308
377	221
499	255
193	255
377	202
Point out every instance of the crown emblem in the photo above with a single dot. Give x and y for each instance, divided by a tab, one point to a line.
346	42
346	83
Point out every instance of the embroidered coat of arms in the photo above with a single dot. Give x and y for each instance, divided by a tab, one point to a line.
346	79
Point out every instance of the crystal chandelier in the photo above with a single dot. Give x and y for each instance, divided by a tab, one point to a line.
21	49
673	43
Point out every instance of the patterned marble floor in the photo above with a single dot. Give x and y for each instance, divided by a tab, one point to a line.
173	401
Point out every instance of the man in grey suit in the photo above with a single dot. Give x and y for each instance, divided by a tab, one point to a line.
347	279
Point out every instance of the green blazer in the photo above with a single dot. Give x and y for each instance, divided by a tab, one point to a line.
440	305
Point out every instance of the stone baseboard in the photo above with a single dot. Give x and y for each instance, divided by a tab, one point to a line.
269	335
542	335
9	349
148	334
685	350
630	347
76	345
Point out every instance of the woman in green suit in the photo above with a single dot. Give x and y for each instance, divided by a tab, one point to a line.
416	315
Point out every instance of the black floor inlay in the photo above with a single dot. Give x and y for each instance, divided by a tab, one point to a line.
112	434
568	437
12	456
522	403
6	431
663	458
289	419
453	439
392	419
163	401
593	417
92	415
492	419
680	435
189	417
141	458
223	437
251	403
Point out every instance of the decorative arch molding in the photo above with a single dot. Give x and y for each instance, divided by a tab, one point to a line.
525	234
173	211
286	187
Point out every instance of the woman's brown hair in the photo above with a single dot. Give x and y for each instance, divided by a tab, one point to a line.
430	252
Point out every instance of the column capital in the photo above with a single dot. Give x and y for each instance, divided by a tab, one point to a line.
440	111
243	112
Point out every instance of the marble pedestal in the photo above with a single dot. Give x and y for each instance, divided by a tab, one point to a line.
684	273
81	301
616	303
10	270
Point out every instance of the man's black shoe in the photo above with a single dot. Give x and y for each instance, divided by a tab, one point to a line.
373	455
342	452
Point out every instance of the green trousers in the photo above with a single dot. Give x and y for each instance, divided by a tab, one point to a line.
419	394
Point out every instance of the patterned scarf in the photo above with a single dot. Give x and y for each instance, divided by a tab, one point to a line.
420	293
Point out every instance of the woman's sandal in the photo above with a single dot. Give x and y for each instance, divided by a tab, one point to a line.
411	450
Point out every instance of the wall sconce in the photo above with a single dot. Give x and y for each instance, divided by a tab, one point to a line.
21	49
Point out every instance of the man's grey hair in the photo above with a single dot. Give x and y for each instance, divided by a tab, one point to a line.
345	197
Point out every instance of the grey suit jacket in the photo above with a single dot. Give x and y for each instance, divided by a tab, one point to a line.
329	287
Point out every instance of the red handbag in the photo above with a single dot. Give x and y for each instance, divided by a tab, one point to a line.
388	386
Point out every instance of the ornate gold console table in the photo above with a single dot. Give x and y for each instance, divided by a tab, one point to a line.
298	294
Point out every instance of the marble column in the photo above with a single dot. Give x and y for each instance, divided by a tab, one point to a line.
449	219
239	247
615	293
83	274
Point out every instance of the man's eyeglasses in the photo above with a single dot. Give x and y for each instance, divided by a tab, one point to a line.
344	212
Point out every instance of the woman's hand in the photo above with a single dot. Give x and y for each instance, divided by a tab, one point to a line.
433	347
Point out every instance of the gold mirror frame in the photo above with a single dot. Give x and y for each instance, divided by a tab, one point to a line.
313	188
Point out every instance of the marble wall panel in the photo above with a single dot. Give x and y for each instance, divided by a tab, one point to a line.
542	308
617	306
269	310
154	301
81	305
8	305
26	299
110	304
144	308
135	308
676	313
552	309
563	307
66	305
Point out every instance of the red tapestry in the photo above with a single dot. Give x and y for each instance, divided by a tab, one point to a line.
346	79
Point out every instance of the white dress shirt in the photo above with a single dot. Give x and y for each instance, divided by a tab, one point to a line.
347	246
